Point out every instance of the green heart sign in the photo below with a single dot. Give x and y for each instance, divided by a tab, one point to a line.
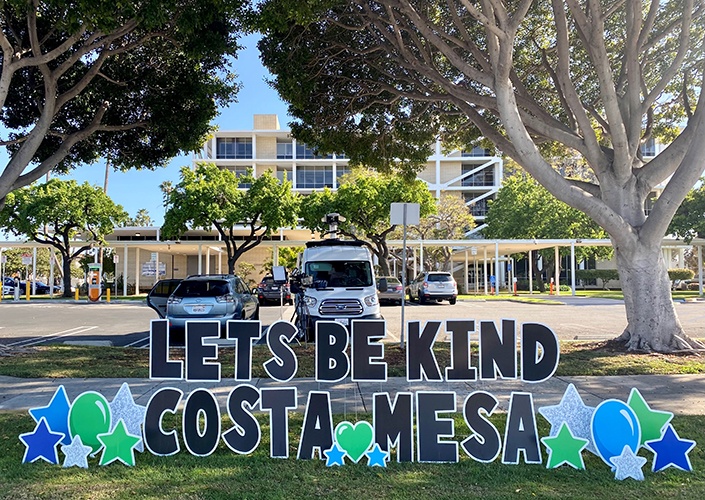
355	439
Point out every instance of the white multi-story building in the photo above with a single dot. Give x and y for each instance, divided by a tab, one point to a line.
475	175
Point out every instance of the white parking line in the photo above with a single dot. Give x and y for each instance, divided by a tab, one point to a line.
132	344
52	336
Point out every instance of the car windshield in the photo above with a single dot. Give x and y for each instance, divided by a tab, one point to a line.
340	273
391	281
201	288
439	277
268	280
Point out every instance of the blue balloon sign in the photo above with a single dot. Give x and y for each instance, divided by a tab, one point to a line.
614	426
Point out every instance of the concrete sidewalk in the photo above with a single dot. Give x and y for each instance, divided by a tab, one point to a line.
680	394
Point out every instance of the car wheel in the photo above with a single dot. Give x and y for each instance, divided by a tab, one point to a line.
255	316
452	301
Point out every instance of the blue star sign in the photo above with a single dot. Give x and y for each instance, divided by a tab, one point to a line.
56	414
334	456
41	443
377	457
671	451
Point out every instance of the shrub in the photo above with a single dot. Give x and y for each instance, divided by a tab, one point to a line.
680	274
606	275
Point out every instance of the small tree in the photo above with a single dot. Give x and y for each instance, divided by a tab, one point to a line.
58	213
689	221
364	199
451	221
287	258
141	219
209	197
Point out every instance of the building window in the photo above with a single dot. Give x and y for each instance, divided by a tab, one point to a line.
234	148
649	203
478	208
281	172
476	151
649	148
341	170
314	177
239	172
304	152
285	149
483	178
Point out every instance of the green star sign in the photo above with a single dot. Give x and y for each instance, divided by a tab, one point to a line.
651	422
564	448
119	445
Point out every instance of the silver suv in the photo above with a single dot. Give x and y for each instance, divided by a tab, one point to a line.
220	297
434	286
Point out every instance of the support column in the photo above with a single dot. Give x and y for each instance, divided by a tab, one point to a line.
531	272
467	284
200	258
572	267
484	269
34	271
496	268
137	270
700	270
208	260
124	270
557	269
156	269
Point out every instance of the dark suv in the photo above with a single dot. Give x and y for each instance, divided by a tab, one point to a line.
269	291
219	297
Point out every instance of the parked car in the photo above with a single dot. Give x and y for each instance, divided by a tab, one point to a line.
269	291
434	285
8	287
394	291
219	297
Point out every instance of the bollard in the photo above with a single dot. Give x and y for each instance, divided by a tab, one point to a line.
107	296
76	293
27	289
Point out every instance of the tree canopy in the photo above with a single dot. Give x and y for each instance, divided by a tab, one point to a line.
209	196
598	80
450	221
523	209
689	221
136	81
364	198
69	216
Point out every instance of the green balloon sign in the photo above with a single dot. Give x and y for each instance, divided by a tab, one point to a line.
88	417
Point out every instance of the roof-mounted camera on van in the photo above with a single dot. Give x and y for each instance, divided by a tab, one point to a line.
333	220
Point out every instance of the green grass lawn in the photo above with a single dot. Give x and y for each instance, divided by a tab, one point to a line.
225	474
577	358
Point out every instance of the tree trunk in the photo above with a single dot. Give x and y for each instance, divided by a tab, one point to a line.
66	266
652	322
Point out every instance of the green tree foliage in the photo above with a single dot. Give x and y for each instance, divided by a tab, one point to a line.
450	221
523	209
138	82
364	198
209	197
540	79
689	221
141	219
58	213
287	258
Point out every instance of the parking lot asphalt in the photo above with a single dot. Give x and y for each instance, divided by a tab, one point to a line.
126	323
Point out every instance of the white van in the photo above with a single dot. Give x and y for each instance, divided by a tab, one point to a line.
341	282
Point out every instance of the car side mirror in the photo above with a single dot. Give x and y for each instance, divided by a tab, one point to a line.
255	291
382	286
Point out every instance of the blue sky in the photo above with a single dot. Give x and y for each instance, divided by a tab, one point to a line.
140	189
